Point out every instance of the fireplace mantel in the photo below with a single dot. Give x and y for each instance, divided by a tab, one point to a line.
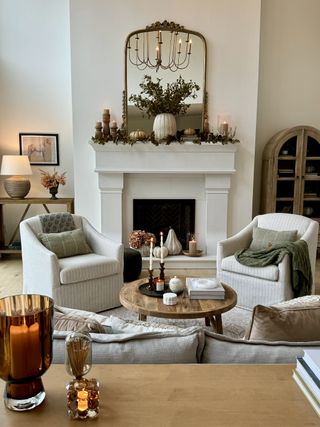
144	170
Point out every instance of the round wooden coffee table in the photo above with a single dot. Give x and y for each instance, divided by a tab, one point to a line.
211	310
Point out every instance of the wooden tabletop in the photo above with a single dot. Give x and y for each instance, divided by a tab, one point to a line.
133	300
178	395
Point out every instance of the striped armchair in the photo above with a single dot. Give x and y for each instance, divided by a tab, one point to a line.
87	282
264	285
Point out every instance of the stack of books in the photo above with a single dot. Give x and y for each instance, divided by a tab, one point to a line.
204	288
307	376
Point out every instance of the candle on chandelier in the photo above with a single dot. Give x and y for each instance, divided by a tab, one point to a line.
150	257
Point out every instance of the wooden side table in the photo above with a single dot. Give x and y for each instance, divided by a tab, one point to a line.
28	201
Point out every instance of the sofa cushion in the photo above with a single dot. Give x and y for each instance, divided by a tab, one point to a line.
287	323
136	342
85	267
70	322
270	272
221	349
263	238
65	244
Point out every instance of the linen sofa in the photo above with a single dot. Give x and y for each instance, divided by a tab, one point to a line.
142	342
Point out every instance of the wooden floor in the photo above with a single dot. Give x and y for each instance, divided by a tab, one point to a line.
11	275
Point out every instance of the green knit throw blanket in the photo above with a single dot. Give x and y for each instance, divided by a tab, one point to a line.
301	275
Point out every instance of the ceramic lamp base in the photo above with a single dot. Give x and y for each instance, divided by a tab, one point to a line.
17	187
23	396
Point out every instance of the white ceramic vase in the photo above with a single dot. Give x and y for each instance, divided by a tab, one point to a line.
164	124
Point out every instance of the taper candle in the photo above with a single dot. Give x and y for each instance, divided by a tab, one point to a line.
161	247
150	257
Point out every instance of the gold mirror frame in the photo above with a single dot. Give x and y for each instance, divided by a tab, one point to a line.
165	26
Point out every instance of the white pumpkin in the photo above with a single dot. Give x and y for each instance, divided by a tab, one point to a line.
164	124
172	243
157	252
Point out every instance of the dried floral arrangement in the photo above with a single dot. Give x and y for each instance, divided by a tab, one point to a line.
138	238
155	99
49	180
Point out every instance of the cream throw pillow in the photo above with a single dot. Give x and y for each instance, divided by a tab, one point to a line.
292	323
73	323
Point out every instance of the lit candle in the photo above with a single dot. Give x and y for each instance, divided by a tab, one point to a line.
224	128
113	124
192	247
159	285
190	44
82	400
179	48
106	111
34	350
161	247
150	258
19	346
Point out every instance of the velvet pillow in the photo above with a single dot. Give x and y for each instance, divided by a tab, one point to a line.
262	238
65	244
72	323
292	323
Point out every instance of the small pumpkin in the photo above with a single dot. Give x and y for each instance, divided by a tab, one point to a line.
157	252
172	243
189	131
137	135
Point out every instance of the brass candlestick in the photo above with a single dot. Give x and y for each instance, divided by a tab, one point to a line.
151	286
161	271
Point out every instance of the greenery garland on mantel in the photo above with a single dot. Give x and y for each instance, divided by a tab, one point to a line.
211	137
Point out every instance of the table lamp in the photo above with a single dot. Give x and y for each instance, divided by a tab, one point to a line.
17	186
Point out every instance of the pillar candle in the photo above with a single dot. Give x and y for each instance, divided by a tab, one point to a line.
224	128
34	351
159	285
192	247
150	257
161	247
19	346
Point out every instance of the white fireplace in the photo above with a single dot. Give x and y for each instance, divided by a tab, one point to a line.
187	171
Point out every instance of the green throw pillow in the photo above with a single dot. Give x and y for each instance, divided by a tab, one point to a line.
65	244
263	238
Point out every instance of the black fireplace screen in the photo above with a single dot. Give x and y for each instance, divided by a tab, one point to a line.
155	215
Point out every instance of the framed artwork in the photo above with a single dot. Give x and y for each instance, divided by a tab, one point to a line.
41	148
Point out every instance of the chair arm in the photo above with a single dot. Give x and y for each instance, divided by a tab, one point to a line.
100	244
41	272
239	241
311	238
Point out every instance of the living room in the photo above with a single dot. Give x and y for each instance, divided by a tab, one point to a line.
63	63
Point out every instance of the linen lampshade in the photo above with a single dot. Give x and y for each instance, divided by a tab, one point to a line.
17	186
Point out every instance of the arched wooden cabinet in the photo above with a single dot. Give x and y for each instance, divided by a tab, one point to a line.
291	172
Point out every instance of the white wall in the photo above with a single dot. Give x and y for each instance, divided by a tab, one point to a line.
98	32
35	85
289	82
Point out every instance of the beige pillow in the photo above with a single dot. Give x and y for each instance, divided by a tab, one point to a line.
68	322
293	323
66	243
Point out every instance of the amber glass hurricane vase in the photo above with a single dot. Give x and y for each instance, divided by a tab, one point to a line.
25	348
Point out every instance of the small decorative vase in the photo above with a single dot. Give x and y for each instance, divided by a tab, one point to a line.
26	348
53	191
164	125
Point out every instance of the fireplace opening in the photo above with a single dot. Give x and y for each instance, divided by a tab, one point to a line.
155	215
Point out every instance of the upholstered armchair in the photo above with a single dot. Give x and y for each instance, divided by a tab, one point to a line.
271	284
91	281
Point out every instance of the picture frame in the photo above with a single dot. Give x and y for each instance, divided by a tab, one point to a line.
41	148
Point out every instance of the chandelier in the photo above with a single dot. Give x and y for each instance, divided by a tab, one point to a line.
170	50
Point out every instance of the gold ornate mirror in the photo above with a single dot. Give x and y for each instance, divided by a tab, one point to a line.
169	52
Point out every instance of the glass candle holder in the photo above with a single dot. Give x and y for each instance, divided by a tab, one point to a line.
25	348
82	393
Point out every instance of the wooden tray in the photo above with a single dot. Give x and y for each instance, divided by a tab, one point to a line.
197	253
